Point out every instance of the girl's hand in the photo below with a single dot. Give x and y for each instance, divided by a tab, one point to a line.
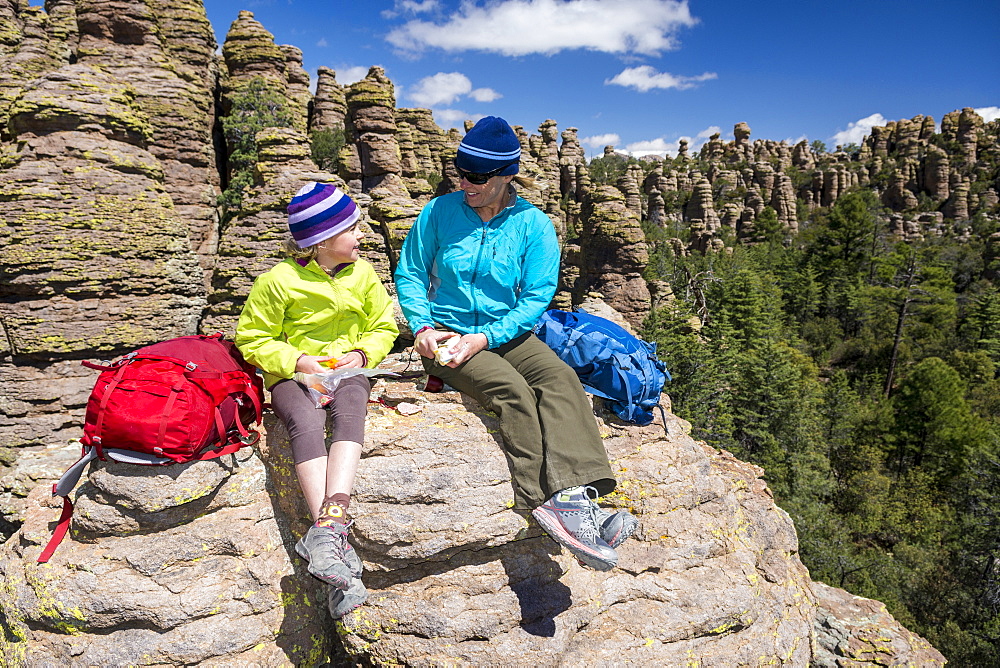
466	347
311	363
351	360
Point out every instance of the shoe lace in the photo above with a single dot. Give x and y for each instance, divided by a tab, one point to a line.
589	524
336	537
601	515
341	538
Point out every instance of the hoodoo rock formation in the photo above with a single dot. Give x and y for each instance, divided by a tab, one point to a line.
613	255
142	191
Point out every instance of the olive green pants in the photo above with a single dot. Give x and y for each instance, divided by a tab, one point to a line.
546	420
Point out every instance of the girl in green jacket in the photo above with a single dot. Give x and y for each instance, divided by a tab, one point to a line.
321	307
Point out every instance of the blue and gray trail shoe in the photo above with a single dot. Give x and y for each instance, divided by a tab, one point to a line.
615	528
331	558
569	518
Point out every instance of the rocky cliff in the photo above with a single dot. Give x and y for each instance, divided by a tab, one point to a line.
113	158
194	565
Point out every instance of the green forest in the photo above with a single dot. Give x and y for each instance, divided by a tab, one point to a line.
860	371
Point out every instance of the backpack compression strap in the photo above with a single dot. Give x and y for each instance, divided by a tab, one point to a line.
101	410
235	387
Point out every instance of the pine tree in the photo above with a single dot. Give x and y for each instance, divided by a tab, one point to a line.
983	323
936	429
254	105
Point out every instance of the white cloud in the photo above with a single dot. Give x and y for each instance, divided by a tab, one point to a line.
600	141
441	88
322	43
410	7
856	131
521	27
988	113
485	95
350	75
644	78
447	87
658	146
454	118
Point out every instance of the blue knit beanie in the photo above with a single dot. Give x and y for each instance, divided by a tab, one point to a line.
490	144
318	211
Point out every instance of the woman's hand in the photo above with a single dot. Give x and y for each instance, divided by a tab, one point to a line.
428	340
467	346
463	347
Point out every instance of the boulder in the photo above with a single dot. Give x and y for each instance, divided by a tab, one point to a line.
784	204
166	53
371	105
194	564
572	158
181	565
94	257
855	631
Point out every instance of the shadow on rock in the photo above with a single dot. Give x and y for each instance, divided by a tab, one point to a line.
307	633
539	592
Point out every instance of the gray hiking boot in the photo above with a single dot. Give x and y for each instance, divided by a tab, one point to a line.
331	558
615	528
341	602
569	519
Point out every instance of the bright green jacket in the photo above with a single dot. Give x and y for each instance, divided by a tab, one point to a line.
293	310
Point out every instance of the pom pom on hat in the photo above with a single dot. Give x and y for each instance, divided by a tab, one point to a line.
489	145
318	211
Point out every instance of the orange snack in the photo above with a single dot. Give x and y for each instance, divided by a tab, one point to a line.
330	363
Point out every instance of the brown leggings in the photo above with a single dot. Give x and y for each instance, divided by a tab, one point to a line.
306	424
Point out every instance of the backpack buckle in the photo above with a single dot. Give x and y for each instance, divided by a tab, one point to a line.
190	366
251	438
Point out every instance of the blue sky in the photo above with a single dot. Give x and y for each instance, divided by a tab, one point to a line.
641	74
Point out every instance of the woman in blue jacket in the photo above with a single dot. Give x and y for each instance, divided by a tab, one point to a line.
482	263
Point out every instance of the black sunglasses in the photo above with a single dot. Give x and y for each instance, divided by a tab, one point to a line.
477	179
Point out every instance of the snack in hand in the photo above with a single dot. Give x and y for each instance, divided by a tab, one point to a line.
443	352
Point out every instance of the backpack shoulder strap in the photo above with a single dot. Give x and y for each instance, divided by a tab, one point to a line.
62	488
62	526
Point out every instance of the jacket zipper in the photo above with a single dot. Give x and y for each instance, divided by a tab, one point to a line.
475	275
338	314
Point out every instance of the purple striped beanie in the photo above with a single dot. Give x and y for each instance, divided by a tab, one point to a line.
318	211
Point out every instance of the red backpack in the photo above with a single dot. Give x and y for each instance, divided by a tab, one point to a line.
186	399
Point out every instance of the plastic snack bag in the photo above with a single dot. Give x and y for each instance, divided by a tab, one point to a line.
443	351
322	385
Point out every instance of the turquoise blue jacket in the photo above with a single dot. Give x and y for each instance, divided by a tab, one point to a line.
494	278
